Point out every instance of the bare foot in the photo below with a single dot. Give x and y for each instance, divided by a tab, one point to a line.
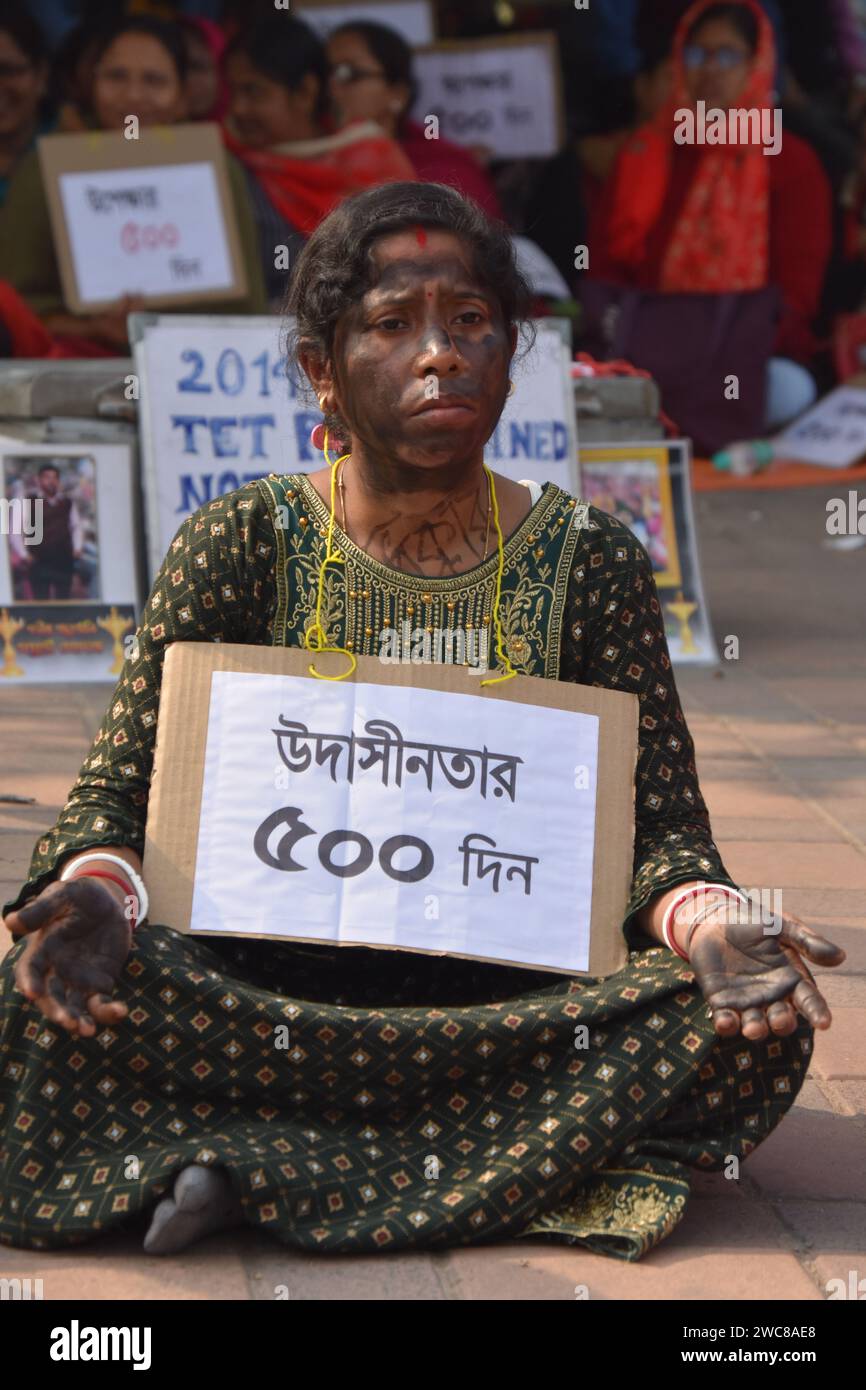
203	1201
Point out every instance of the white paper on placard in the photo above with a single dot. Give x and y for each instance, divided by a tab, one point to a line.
832	434
503	97
151	231
287	795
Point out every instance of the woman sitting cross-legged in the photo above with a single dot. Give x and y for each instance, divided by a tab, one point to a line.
120	1043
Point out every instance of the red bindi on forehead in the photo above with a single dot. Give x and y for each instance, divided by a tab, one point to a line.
421	236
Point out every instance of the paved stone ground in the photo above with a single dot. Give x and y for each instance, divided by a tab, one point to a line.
781	739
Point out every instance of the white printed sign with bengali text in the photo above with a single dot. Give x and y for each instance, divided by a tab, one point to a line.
397	816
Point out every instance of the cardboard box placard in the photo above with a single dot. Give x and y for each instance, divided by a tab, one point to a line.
400	820
504	93
151	216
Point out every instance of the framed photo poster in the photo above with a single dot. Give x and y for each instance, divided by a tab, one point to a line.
69	591
648	488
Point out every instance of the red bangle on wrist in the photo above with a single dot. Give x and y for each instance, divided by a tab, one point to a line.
103	873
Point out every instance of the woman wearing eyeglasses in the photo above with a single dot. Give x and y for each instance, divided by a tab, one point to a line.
371	79
277	75
707	217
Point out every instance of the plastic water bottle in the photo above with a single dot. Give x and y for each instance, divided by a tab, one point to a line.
750	456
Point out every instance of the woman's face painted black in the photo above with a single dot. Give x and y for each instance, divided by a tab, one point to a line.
422	361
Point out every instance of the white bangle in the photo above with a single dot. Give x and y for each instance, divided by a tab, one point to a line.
135	878
709	908
694	890
684	896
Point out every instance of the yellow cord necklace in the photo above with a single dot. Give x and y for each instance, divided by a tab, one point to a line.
315	638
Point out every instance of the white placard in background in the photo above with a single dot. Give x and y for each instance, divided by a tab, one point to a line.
151	231
537	433
500	95
411	18
832	434
218	410
269	803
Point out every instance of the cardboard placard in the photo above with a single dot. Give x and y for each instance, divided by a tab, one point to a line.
218	409
151	216
411	18
241	877
504	93
647	486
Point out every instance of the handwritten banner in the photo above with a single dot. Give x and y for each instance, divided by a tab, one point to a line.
219	408
352	813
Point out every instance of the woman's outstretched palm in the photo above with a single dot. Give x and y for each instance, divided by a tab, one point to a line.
79	938
756	980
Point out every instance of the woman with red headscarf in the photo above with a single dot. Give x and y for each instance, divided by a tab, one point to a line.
703	217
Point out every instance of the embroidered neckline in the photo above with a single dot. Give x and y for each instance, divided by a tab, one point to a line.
480	573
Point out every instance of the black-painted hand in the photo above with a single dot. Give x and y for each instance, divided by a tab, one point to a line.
755	981
79	938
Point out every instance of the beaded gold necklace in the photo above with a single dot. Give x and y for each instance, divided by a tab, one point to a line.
316	639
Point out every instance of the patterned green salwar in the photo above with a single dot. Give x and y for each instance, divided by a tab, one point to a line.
418	1101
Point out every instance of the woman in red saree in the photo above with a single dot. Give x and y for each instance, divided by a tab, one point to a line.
702	217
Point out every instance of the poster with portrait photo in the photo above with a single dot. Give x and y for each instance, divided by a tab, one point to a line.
69	566
648	488
635	487
54	554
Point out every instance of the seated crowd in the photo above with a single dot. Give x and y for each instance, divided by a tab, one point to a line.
308	122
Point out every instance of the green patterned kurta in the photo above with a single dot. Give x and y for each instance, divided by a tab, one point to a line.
420	1101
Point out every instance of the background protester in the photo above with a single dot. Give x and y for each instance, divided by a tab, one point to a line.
371	79
277	73
723	217
597	134
206	90
23	84
140	69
